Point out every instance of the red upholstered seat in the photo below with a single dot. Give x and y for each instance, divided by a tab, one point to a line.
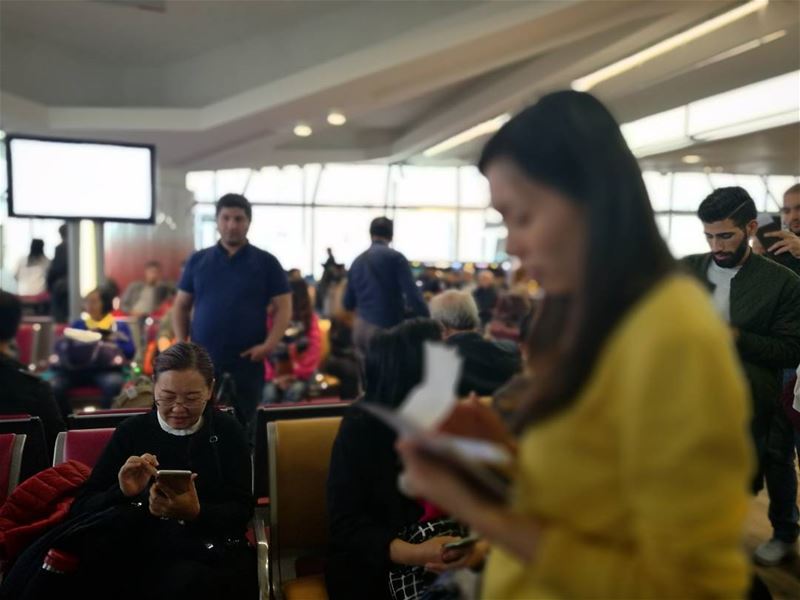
36	455
83	445
116	411
25	342
14	417
85	392
6	458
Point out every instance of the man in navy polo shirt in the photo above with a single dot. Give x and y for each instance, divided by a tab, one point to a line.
230	286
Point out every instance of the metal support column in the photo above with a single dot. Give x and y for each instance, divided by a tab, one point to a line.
100	252
73	268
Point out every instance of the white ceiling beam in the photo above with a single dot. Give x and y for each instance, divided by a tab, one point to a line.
554	71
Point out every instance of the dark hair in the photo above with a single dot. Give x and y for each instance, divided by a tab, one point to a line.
152	263
37	251
795	189
382	227
106	294
235	201
728	203
570	142
185	356
301	302
10	315
394	363
526	322
62	231
511	309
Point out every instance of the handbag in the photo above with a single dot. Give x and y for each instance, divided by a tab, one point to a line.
72	355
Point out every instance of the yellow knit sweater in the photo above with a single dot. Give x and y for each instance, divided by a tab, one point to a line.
642	484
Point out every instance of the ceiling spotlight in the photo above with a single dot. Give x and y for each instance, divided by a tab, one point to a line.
302	130
691	159
336	118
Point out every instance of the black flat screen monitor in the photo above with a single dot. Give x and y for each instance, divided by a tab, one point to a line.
54	178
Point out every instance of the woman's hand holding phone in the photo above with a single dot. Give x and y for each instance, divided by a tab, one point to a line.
174	503
467	553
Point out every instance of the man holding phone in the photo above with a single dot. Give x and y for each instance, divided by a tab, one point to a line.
783	245
760	300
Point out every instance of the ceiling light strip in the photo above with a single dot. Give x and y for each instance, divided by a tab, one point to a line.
586	83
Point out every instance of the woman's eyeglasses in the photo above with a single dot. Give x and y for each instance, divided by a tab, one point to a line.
187	404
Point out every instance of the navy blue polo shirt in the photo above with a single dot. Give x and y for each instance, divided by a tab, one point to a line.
231	296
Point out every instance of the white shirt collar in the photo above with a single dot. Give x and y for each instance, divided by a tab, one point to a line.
181	432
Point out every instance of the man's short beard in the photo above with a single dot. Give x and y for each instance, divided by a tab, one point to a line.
735	258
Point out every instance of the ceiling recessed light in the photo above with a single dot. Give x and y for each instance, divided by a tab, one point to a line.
691	159
336	118
302	130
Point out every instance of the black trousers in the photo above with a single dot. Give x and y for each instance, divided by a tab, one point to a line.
126	554
245	381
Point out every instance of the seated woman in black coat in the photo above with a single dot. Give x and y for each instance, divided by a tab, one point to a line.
162	543
366	510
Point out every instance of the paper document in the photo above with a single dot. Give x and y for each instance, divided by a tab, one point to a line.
430	403
427	406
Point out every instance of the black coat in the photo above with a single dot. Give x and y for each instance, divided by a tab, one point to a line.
25	393
765	308
366	510
488	365
127	553
58	266
223	469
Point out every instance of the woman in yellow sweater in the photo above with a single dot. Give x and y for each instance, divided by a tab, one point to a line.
633	459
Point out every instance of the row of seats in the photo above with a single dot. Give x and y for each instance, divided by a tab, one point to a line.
291	542
36	337
11	449
37	456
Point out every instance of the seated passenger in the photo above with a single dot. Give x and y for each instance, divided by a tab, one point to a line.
293	364
152	540
143	297
370	519
23	391
342	361
488	364
77	368
507	316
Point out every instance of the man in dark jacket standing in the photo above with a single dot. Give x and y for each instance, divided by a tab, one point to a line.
57	283
380	287
761	301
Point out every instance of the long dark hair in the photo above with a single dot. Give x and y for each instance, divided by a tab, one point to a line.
570	142
37	251
395	360
301	302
